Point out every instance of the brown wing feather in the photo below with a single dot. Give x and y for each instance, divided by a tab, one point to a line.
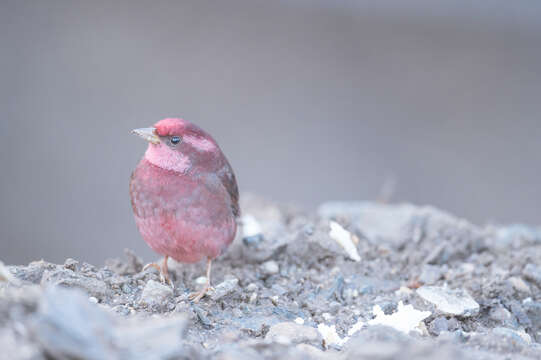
227	176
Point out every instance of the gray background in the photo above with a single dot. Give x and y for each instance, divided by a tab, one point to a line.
310	101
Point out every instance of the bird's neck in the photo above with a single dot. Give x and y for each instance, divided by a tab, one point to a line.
166	159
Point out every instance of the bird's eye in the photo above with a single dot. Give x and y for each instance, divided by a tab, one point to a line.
175	140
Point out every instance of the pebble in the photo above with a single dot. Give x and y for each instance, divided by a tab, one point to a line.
71	264
252	287
503	316
253	298
202	280
519	285
270	267
224	288
438	325
517	336
155	293
533	273
292	332
5	274
430	274
453	302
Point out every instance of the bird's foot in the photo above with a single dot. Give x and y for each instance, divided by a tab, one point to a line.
163	271
198	295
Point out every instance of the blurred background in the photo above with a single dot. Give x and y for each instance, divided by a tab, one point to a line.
310	100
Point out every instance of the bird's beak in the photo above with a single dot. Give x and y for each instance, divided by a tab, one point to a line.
149	134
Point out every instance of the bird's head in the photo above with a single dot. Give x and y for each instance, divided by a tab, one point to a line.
177	144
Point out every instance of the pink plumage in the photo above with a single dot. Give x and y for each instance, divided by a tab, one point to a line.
184	193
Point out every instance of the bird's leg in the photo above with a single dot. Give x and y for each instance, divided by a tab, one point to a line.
163	270
196	296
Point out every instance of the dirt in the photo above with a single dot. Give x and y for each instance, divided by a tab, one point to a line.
426	284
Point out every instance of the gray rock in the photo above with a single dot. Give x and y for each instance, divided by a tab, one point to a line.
533	273
438	325
522	315
503	316
17	347
68	278
519	285
224	288
519	337
430	274
154	338
69	326
155	293
292	332
274	235
453	302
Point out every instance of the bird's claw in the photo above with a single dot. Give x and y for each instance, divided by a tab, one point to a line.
198	295
164	276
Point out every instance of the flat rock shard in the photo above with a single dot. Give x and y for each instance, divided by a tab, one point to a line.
452	302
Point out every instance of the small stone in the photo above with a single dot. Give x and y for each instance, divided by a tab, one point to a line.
67	278
516	336
519	285
71	264
404	291
93	300
202	280
502	316
270	267
155	293
5	274
251	287
523	315
327	317
438	325
533	273
253	298
224	288
453	302
293	332
430	274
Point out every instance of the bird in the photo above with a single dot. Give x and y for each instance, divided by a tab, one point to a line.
184	196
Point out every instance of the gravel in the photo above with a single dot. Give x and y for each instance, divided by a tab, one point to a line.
425	284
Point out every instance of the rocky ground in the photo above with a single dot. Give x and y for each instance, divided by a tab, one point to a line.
351	281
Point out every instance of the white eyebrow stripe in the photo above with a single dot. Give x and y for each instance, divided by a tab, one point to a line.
199	143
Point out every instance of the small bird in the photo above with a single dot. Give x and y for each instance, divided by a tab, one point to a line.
184	196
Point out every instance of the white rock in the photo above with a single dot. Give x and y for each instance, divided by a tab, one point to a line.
270	267
202	280
293	332
250	226
345	239
329	334
299	321
251	287
405	319
356	327
253	298
453	302
5	274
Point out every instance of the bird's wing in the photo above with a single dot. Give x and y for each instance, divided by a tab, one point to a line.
227	177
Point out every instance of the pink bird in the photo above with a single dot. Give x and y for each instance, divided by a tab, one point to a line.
184	196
